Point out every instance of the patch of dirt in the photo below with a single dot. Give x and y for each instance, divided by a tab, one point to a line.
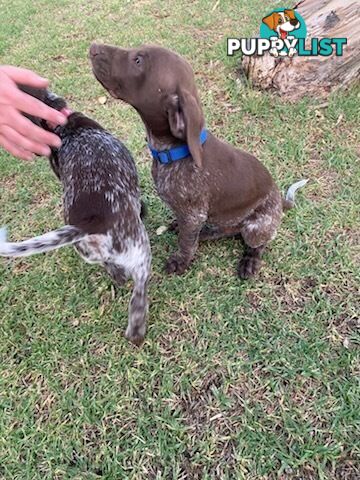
348	470
44	199
293	294
46	398
204	417
9	184
197	406
327	182
91	436
182	326
346	322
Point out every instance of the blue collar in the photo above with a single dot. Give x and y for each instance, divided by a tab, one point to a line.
177	153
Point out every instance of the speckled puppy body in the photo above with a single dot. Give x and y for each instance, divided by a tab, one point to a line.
102	211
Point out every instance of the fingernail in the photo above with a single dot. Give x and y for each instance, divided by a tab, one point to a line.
66	111
45	151
61	119
57	143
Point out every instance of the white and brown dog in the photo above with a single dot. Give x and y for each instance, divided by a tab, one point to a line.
282	23
102	208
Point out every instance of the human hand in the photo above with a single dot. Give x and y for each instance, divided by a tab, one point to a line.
18	135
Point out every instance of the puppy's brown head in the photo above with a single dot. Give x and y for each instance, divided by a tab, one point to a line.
159	84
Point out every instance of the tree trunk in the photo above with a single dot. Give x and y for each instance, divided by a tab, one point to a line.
316	76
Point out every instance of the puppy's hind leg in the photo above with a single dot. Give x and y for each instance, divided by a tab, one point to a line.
250	263
116	273
138	309
140	270
257	231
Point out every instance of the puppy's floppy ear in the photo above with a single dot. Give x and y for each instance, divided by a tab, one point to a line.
40	94
46	97
186	121
270	21
290	13
54	101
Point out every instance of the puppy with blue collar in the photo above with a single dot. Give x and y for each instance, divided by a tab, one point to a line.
214	189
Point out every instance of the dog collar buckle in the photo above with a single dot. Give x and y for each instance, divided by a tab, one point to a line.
164	157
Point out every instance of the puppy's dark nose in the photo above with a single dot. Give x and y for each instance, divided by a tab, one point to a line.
94	49
294	22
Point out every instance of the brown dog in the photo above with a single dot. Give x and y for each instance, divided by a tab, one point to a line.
216	190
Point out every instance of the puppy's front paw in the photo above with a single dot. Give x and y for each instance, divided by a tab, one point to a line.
248	267
176	264
274	52
292	52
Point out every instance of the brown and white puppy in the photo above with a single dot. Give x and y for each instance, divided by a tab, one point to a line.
102	208
282	22
217	190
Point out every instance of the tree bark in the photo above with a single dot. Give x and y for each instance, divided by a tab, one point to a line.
317	76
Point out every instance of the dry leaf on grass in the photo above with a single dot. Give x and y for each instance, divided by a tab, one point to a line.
161	230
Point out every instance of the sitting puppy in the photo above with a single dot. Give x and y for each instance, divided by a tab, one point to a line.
101	208
214	189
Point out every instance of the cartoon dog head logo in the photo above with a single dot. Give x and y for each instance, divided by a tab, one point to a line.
282	22
283	27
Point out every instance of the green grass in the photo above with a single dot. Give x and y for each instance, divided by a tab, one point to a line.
236	380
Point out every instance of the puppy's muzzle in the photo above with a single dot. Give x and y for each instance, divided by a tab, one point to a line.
94	50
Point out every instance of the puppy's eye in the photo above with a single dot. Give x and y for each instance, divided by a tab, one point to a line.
138	60
287	19
280	21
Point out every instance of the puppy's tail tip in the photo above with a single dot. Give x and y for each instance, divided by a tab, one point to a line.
289	200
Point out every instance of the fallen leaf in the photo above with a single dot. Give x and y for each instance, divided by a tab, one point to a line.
161	230
341	116
113	292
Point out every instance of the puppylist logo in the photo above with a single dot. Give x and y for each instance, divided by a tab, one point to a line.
283	33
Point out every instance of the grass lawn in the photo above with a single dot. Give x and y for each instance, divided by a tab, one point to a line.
236	380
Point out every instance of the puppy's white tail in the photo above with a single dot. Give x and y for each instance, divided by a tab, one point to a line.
66	235
289	200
